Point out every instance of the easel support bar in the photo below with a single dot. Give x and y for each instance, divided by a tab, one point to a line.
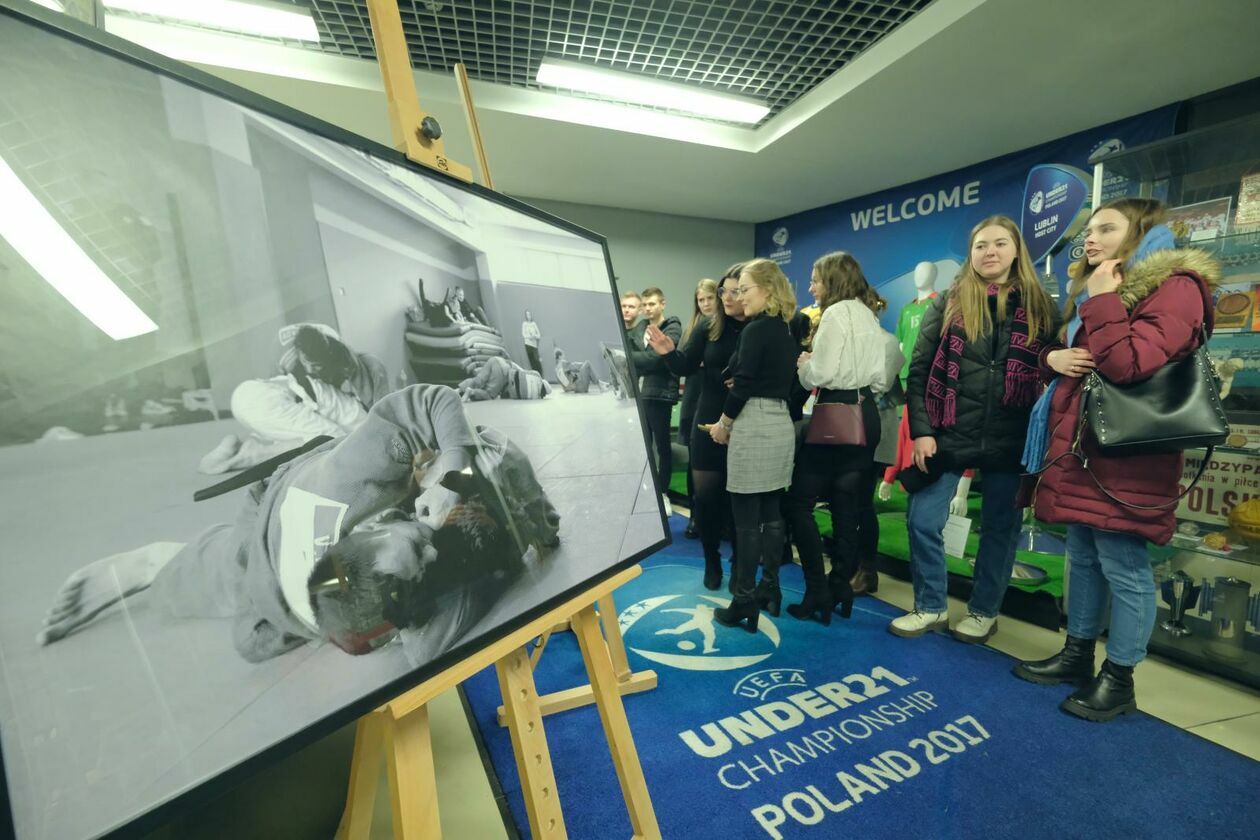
405	114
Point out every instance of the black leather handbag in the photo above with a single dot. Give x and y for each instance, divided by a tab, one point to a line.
1178	408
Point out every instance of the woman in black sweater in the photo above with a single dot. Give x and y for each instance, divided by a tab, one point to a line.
703	359
707	302
758	429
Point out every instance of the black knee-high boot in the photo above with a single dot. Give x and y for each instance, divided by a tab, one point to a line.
769	597
712	567
817	602
841	591
743	606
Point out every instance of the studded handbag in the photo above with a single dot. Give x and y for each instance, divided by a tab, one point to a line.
1176	409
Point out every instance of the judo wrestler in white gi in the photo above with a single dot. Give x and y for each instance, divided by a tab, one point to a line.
412	525
324	388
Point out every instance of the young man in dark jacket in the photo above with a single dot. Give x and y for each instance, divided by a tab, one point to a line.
658	388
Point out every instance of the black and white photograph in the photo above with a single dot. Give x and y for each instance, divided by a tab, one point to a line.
282	421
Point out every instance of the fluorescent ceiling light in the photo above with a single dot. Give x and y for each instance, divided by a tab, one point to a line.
32	231
627	87
55	5
270	20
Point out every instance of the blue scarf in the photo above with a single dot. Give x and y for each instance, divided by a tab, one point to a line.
1158	238
1039	420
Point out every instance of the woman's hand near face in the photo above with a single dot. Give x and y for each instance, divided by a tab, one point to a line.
1106	278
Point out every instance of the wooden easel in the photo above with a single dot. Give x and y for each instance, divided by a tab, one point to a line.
406	118
398	732
628	682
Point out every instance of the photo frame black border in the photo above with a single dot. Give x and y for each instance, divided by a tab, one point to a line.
72	29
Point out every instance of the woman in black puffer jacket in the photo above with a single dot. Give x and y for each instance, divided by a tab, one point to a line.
974	377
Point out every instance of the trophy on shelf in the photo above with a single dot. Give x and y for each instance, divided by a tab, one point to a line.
1230	605
1180	594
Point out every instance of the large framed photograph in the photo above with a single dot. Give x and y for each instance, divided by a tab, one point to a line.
287	424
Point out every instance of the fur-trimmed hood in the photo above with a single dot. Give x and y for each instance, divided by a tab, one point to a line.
1146	275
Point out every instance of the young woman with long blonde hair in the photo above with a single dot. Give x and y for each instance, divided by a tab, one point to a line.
758	429
974	377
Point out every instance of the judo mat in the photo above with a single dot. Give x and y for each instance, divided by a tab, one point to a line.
804	731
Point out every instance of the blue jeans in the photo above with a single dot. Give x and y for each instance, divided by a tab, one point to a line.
1102	560
999	532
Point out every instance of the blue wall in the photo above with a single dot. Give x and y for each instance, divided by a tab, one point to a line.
1043	188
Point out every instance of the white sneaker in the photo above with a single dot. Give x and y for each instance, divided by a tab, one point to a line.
975	629
917	623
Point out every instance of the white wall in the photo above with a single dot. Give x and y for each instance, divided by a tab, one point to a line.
655	249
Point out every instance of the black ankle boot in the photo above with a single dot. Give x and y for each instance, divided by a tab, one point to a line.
739	612
841	595
1108	695
816	604
691	533
1073	664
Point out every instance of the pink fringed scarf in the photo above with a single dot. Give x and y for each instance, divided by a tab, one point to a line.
1023	376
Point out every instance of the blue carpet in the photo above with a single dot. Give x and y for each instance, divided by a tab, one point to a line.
850	731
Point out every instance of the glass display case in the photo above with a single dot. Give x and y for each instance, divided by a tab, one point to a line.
1209	575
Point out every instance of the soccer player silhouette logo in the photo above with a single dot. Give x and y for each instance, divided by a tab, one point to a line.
701	621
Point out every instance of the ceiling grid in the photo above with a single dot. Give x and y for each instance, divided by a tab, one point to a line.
774	51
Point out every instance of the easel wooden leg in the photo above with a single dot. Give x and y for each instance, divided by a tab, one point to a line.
628	682
612	714
612	635
529	745
412	780
399	732
365	773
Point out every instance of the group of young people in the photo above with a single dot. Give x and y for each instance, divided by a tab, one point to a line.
993	386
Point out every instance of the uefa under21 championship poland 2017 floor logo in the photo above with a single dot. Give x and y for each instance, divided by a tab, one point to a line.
680	631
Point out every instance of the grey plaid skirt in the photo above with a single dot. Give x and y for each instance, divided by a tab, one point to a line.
763	442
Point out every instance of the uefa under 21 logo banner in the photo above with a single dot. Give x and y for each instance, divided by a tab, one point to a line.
1056	206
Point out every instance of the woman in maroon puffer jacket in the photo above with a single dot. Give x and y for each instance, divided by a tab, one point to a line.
1136	303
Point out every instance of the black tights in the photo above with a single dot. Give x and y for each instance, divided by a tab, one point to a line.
754	510
851	495
710	508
